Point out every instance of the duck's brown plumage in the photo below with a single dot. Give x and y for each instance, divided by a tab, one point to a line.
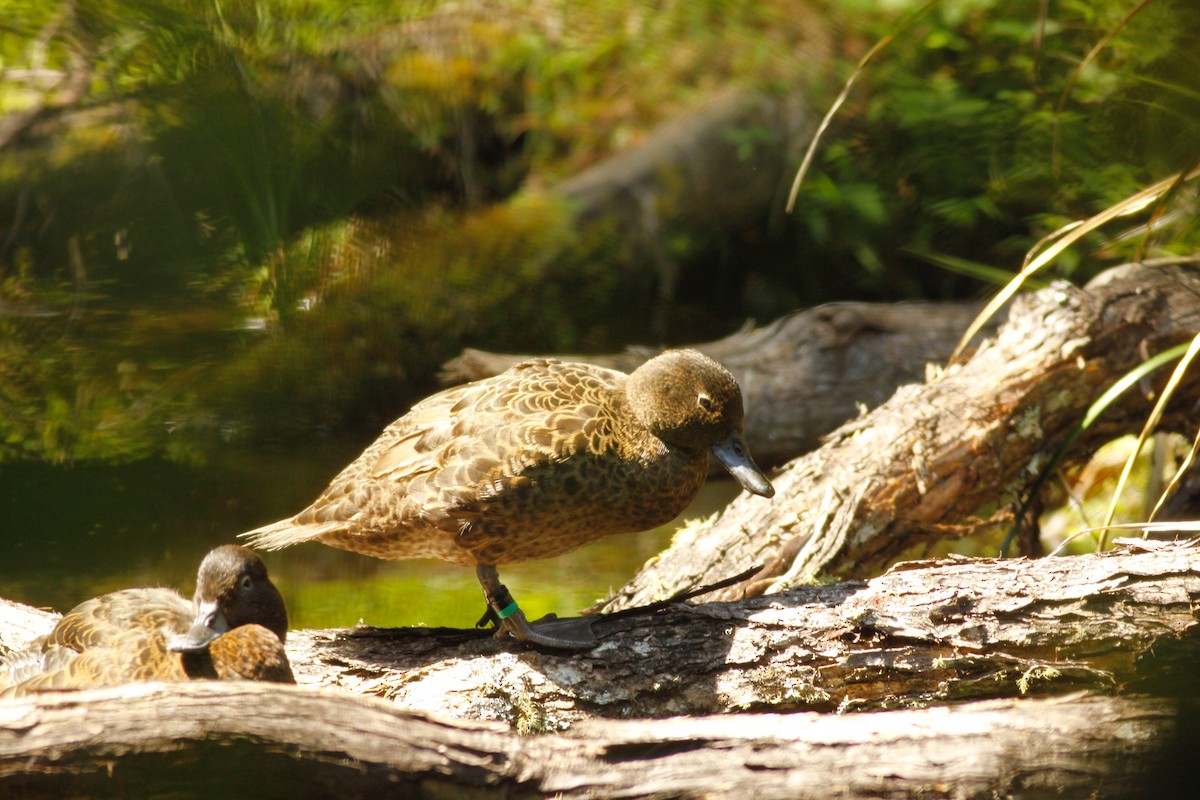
529	464
126	636
534	462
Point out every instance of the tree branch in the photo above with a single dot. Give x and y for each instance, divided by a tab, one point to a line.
199	740
920	467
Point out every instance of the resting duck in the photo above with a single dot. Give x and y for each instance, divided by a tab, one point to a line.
233	629
532	463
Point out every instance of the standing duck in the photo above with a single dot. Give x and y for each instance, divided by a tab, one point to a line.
532	463
233	629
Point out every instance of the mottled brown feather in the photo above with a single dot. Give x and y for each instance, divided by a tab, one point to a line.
532	463
122	637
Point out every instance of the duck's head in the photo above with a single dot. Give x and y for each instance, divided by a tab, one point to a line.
232	589
689	400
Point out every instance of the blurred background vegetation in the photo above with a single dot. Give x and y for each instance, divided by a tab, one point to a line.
261	226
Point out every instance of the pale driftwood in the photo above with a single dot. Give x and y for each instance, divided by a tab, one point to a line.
804	374
253	740
927	633
920	467
20	623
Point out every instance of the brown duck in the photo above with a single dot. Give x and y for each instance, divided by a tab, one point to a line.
233	629
535	462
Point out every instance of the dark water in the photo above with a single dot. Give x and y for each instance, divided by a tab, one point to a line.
70	533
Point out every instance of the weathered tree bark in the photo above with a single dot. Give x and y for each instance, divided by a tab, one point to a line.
929	633
1123	621
805	374
919	468
924	634
252	740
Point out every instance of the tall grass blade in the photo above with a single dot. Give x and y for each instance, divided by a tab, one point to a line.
985	273
1063	238
1147	428
806	162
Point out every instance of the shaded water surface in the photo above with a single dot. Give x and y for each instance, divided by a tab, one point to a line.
70	533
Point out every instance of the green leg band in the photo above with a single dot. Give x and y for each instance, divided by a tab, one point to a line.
508	610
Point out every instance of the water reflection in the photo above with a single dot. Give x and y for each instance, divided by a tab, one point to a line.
74	532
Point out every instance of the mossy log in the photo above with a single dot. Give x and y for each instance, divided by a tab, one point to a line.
529	721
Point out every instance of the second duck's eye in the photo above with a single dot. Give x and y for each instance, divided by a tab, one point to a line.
706	403
246	582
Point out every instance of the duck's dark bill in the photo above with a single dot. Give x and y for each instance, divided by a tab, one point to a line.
733	453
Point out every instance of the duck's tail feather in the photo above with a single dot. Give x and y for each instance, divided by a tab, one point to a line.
287	532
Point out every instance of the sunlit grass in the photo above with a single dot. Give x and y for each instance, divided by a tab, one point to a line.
1087	496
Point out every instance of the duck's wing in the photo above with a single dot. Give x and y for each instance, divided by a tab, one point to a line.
132	657
433	466
108	619
30	660
34	669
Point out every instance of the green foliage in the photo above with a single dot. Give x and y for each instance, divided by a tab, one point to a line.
515	275
981	129
322	172
350	190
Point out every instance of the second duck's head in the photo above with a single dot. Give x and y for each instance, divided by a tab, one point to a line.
232	589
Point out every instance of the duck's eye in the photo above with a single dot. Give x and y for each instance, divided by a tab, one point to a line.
246	582
706	403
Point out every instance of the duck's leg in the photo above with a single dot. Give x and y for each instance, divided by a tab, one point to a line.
564	634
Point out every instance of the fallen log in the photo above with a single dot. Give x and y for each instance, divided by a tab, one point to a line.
254	740
927	465
530	722
926	633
